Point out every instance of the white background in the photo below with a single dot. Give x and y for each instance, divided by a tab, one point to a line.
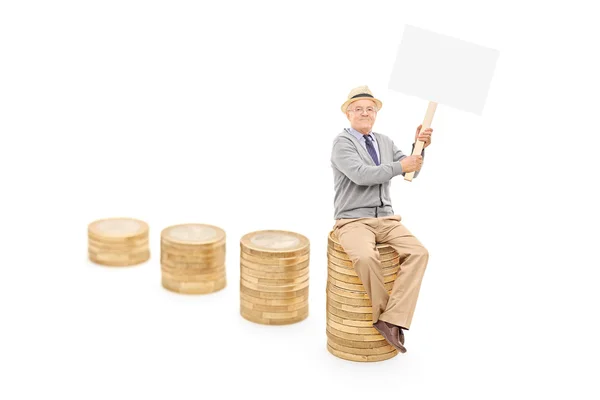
176	112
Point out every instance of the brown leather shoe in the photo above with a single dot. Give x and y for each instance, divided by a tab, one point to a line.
401	334
391	334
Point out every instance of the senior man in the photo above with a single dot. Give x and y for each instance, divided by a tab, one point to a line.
364	163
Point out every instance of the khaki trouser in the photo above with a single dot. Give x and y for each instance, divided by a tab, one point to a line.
358	237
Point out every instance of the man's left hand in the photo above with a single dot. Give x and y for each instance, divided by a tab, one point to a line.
424	136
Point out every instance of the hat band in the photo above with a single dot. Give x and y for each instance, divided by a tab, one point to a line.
362	95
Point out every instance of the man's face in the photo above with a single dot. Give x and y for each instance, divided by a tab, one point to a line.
361	115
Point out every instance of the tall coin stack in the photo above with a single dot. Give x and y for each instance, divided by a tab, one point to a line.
350	332
193	258
118	242
274	277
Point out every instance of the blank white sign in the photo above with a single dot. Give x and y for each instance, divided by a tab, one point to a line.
443	69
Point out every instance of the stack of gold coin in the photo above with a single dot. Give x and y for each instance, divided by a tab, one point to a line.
192	258
274	277
118	242
350	332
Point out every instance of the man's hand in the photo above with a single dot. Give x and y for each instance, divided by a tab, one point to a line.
411	163
425	136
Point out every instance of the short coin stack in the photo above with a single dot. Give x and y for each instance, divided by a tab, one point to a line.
192	258
274	275
118	242
350	332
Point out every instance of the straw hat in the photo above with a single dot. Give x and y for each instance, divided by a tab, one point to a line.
359	93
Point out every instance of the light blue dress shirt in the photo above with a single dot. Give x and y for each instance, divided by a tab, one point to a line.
361	138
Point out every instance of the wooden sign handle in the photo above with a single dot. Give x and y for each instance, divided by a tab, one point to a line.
419	145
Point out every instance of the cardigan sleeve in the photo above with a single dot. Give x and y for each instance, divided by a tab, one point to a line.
399	155
346	159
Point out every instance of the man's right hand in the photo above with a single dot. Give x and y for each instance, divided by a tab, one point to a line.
411	163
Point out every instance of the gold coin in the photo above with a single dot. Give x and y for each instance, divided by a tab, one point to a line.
274	282
354	337
356	344
344	259
273	275
386	264
273	302
194	287
119	252
266	321
192	265
278	288
346	293
348	301
193	277
355	330
352	309
117	229
119	257
355	280
361	358
122	262
115	240
349	322
358	337
191	271
196	256
273	295
365	352
352	271
275	244
274	268
199	247
137	253
270	315
270	308
199	251
349	315
195	235
130	245
280	262
359	288
383	250
354	288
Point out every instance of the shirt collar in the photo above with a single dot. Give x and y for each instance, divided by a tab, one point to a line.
359	135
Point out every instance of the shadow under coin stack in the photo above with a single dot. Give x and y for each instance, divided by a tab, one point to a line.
118	242
192	258
274	268
350	332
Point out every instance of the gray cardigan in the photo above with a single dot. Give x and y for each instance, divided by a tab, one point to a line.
362	189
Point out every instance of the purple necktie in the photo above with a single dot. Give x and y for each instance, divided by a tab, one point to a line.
371	149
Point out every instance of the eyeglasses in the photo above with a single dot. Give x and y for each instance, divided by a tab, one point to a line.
360	110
